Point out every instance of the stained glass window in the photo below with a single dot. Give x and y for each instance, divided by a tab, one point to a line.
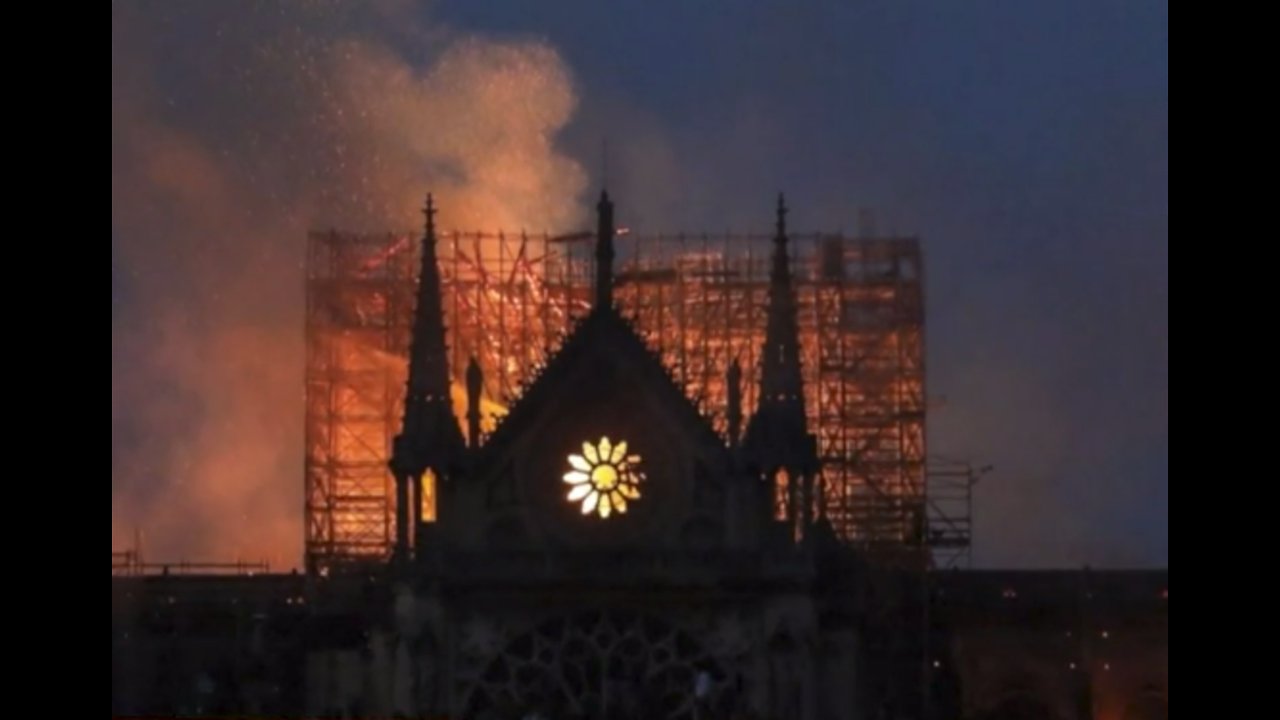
604	478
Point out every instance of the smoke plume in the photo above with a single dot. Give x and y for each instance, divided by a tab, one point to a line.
235	129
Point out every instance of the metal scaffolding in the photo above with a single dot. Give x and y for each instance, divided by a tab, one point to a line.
949	494
699	300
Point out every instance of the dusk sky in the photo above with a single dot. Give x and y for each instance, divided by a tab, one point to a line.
1025	143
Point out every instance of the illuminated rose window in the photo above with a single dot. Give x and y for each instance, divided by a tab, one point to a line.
604	477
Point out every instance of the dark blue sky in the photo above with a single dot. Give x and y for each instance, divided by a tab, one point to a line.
1025	142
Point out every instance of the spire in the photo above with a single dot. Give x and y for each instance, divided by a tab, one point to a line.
777	440
429	435
428	364
781	223
604	251
780	370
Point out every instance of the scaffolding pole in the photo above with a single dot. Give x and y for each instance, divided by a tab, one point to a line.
699	301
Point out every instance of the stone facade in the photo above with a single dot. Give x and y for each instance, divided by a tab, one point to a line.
604	553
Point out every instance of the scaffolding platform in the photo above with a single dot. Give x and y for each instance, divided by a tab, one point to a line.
700	301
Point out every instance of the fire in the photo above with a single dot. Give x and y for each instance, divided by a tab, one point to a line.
509	300
309	121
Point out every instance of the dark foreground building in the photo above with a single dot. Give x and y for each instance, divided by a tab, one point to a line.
608	552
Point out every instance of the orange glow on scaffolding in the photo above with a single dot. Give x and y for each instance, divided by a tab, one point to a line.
699	301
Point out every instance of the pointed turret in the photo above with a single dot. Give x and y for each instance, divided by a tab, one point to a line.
428	363
604	251
780	371
429	437
777	441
